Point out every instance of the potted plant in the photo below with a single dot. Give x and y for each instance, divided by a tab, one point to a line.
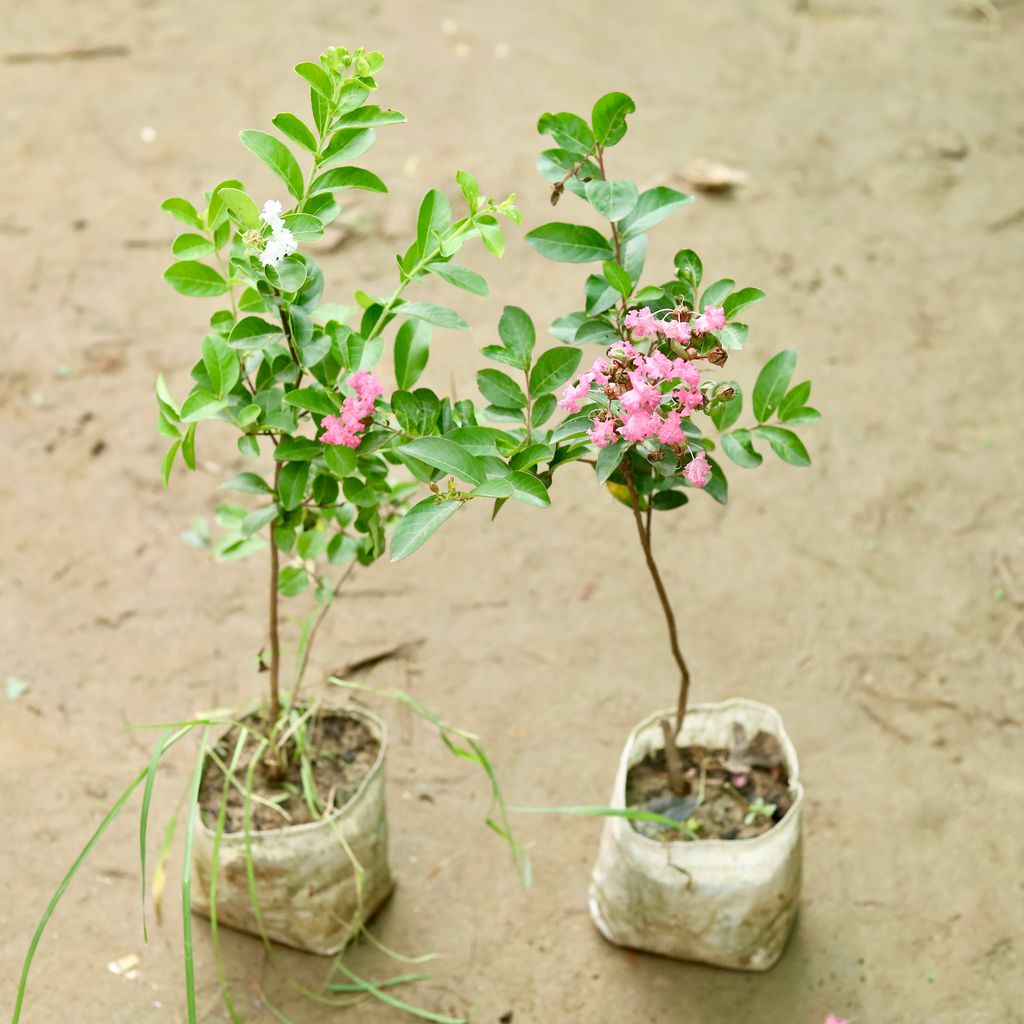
700	853
285	833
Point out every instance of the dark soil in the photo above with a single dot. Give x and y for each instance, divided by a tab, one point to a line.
341	752
724	787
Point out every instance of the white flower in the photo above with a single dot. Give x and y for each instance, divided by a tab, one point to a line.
280	244
271	214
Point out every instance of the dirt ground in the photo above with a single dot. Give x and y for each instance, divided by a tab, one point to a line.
876	599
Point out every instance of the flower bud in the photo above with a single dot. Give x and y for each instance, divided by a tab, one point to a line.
717	356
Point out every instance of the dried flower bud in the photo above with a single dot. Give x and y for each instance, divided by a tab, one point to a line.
726	394
717	356
556	193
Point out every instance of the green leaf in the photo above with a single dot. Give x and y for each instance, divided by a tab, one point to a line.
468	280
470	189
500	388
596	332
221	364
480	440
195	279
444	454
612	199
528	489
304	226
531	456
652	208
617	278
516	330
291	484
785	444
608	460
442	316
739	447
739	301
296	130
240	205
420	523
317	78
724	416
569	131
315	399
609	117
570	243
432	221
168	462
733	336
715	294
257	519
664	501
347	177
543	409
553	369
253	332
191	247
805	414
496	487
346	145
298	449
289	274
412	349
772	382
277	156
565	327
248	483
370	117
689	267
503	355
572	427
182	210
201	405
340	460
794	399
293	580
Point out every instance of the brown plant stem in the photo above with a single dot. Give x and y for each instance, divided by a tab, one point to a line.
274	706
675	765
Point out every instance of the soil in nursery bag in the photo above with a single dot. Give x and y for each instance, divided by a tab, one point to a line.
342	752
722	785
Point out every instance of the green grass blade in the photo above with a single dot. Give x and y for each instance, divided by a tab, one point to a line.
73	870
147	795
473	751
398	1004
607	812
214	867
400	979
191	809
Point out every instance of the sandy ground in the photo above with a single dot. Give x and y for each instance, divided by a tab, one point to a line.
875	599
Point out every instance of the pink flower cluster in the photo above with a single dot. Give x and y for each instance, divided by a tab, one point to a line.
348	427
643	323
640	385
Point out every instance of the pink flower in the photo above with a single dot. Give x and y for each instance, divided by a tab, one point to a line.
657	365
337	430
599	371
698	471
689	399
670	432
365	385
602	433
833	1019
676	330
641	322
686	372
573	394
642	397
712	319
639	426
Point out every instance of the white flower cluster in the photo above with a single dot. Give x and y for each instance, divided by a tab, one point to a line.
281	242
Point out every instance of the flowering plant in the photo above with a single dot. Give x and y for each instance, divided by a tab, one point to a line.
634	412
298	382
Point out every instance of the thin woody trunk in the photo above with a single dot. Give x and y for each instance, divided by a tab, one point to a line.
669	730
274	706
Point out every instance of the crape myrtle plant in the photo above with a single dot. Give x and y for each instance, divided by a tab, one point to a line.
337	458
298	382
641	412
